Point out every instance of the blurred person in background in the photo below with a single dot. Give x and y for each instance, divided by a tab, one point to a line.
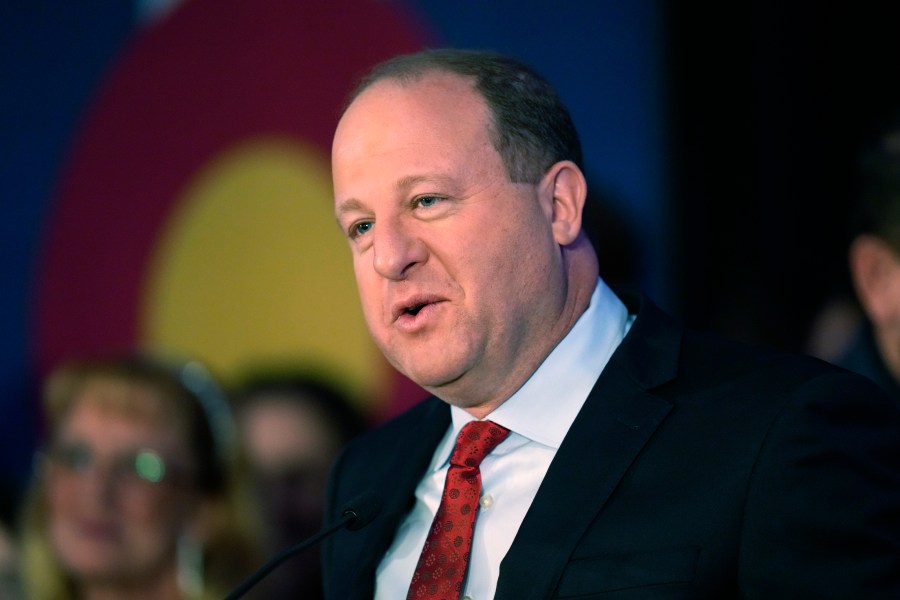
138	492
874	261
293	425
9	578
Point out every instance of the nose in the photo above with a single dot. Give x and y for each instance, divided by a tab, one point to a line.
397	249
101	483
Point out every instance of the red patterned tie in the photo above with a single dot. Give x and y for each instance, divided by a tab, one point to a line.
445	556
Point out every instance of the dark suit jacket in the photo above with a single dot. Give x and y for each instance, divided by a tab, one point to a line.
697	468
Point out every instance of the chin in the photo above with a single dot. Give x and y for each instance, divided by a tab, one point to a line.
432	379
101	571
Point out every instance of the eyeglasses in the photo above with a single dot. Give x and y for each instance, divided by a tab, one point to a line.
143	467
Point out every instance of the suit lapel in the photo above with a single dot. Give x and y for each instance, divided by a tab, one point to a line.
406	470
616	421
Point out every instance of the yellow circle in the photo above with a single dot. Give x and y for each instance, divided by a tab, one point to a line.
251	270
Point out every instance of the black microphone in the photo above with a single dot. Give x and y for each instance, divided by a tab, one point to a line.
356	514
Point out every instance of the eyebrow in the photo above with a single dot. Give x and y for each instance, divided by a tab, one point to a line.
349	205
411	180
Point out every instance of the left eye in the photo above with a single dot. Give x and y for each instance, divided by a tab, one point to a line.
427	201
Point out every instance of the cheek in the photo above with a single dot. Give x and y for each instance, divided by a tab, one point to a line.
149	513
511	261
59	520
58	497
362	273
165	509
62	501
370	296
63	513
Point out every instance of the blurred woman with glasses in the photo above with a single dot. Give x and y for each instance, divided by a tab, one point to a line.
139	492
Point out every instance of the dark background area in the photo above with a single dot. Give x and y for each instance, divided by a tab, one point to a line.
769	106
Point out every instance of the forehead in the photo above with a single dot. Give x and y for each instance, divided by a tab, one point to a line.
434	127
114	395
434	103
110	409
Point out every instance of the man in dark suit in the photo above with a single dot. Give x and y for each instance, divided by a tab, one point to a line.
642	460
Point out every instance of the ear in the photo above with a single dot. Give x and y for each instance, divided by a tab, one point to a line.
875	270
564	184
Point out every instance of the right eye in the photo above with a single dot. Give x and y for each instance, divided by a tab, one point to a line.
360	228
74	458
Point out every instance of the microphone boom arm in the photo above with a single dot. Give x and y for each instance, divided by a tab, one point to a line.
357	513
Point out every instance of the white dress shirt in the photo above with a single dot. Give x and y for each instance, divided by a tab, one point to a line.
538	416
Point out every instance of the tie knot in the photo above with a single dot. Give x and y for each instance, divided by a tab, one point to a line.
475	441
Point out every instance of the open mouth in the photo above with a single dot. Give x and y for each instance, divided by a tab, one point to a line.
414	310
413	306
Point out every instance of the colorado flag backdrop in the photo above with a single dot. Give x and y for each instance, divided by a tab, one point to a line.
166	182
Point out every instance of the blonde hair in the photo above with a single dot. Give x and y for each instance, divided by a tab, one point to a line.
192	402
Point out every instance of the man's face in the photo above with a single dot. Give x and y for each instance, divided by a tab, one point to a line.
459	275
